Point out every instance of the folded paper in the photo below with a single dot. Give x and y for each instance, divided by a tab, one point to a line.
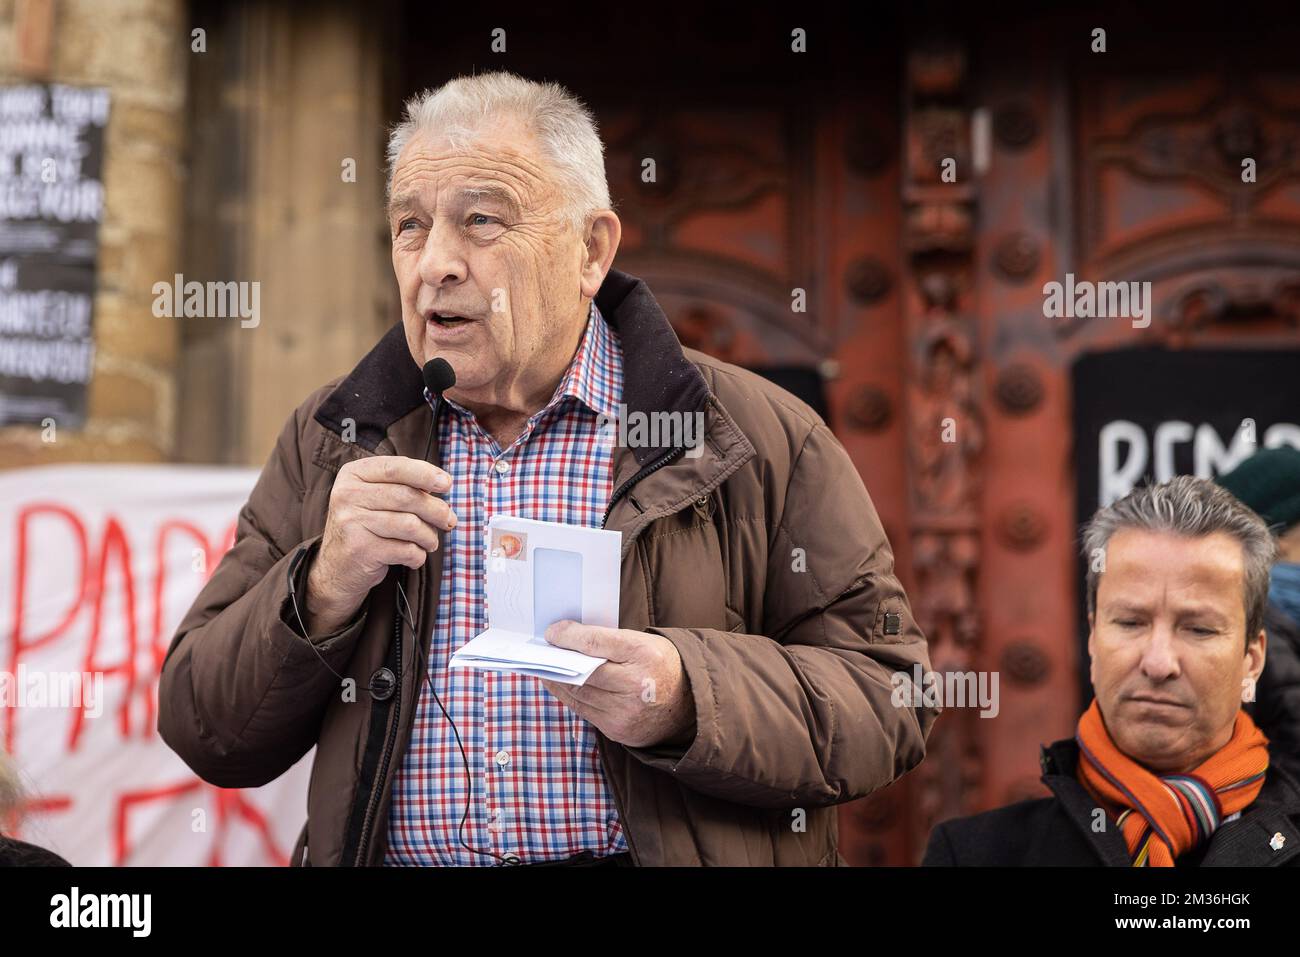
539	573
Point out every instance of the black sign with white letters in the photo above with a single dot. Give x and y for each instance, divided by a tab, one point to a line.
51	204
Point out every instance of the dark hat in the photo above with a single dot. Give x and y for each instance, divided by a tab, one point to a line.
1269	483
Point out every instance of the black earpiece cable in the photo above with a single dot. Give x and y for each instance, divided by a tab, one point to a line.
435	401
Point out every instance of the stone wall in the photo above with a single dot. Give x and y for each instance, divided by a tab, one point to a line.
139	50
223	164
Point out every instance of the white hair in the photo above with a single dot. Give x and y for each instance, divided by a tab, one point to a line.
565	129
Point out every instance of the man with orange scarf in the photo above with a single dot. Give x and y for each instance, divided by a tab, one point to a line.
1165	768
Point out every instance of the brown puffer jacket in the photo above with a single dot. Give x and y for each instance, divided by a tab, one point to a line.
762	560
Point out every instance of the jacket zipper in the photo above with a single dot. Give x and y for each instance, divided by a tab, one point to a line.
619	492
394	721
654	466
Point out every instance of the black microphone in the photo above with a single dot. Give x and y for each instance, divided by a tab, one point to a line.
439	376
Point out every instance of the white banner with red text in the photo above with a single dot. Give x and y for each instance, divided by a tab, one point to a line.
98	564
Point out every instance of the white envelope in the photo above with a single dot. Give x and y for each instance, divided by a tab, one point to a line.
539	573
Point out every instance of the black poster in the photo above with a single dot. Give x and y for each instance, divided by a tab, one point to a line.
51	204
1149	414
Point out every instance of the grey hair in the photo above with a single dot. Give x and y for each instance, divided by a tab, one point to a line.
1190	506
565	130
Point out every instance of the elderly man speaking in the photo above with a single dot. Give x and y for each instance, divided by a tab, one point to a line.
749	687
1165	768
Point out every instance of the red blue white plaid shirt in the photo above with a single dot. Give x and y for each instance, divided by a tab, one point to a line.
537	787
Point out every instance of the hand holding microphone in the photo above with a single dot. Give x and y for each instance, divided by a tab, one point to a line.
384	510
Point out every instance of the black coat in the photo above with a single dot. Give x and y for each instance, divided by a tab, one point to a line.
1059	830
15	853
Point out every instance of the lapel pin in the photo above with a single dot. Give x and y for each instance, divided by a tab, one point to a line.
1277	842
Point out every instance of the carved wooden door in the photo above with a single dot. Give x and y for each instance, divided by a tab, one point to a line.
1126	167
794	217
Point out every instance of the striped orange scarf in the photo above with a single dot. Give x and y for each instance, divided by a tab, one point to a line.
1163	817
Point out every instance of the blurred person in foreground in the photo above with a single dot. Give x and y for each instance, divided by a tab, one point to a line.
762	621
1269	483
13	852
1166	768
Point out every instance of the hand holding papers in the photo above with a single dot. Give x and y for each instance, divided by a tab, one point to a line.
539	573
